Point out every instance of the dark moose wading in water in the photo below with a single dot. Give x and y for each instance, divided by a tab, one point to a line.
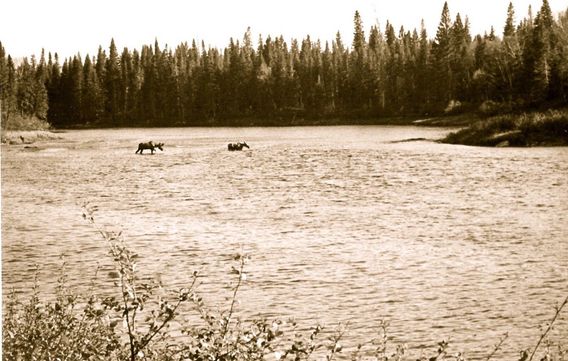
237	146
149	145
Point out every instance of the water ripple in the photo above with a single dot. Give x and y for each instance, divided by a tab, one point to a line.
343	224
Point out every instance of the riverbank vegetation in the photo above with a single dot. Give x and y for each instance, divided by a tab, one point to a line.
144	321
19	122
517	130
386	73
25	130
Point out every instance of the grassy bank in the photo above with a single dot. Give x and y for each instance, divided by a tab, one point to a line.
20	123
27	136
134	325
25	130
548	128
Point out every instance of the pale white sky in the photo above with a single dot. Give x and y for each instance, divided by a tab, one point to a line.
71	26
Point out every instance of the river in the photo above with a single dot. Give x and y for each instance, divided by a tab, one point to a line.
343	224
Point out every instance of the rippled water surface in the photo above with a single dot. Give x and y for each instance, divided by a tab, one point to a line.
344	224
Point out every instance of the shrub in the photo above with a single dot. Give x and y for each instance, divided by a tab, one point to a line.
62	329
491	108
18	122
454	107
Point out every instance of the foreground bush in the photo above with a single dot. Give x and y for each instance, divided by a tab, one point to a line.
61	330
135	325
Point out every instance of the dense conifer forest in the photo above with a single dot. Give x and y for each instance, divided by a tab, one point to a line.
386	73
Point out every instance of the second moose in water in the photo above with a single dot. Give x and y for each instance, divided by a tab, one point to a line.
150	146
237	146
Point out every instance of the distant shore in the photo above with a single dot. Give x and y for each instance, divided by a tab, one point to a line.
458	120
527	129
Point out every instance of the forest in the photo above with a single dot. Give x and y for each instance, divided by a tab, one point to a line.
387	73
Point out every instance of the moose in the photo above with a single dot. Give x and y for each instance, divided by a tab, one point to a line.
237	146
150	146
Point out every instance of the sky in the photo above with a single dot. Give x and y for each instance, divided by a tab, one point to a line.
69	27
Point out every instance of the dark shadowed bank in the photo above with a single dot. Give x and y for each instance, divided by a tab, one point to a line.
548	128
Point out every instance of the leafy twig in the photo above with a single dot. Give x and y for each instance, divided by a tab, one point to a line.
558	310
498	346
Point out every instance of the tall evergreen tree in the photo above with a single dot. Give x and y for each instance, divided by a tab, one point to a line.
148	104
460	59
8	87
55	108
340	64
423	72
376	56
539	66
509	29
562	35
547	77
75	90
358	75
509	57
3	84
112	85
441	58
358	36
40	90
92	100
31	94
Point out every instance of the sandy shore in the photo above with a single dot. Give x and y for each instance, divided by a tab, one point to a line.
27	136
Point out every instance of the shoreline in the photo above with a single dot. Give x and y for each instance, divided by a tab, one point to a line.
14	137
526	129
448	121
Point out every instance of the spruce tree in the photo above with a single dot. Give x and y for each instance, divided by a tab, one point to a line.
31	95
441	59
55	104
540	74
92	100
75	91
547	77
562	36
423	71
8	87
3	85
509	56
358	73
376	58
358	36
148	88
509	29
460	59
41	103
112	85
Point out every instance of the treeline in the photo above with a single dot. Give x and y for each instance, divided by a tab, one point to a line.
384	74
